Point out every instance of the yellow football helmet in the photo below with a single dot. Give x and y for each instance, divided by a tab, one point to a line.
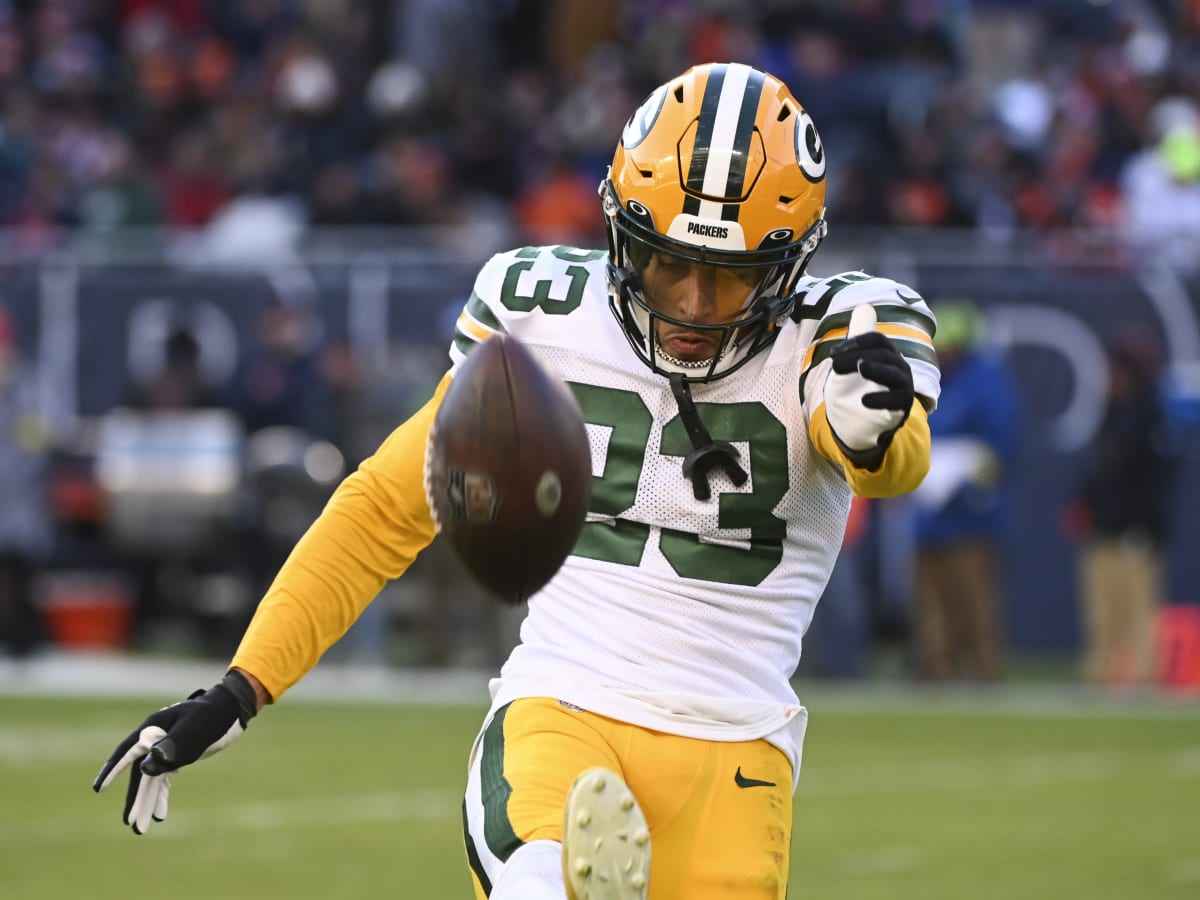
719	166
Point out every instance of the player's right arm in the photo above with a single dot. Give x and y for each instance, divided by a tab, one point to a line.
378	520
369	533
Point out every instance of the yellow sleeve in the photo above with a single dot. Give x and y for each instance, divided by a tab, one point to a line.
904	464
369	533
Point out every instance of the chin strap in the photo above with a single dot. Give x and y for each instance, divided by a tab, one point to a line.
708	454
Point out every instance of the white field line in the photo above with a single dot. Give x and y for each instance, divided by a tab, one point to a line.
913	777
986	773
274	816
877	861
1186	871
1055	701
35	746
1189	762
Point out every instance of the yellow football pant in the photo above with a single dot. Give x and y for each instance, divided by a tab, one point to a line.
720	813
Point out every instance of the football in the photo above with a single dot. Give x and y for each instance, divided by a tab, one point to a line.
508	469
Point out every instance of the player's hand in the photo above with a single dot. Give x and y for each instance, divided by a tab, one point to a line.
171	738
869	393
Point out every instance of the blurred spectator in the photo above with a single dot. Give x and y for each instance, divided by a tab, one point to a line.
280	381
166	560
193	186
120	195
992	115
1160	187
962	513
1120	513
561	209
179	383
837	642
25	521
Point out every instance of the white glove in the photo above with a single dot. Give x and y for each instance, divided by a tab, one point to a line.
869	392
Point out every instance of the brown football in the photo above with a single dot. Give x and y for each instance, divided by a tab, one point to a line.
508	470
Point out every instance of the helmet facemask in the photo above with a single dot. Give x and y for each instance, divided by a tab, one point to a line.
770	277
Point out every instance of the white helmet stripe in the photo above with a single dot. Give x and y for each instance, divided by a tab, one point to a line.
710	209
721	147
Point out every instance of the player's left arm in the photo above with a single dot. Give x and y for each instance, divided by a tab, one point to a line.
873	392
902	463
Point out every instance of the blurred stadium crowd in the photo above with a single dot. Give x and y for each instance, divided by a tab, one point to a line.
494	118
993	114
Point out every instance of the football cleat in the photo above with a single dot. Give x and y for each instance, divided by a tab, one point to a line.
606	842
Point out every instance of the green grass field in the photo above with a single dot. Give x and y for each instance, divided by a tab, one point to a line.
903	796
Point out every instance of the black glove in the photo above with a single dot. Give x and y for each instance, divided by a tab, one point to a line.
173	737
869	393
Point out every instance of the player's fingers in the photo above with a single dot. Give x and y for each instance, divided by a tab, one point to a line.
116	763
128	751
131	792
161	758
145	803
160	807
892	373
896	401
862	319
851	352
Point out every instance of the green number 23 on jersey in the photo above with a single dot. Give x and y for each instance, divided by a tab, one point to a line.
624	541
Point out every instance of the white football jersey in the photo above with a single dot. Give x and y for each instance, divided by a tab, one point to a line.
681	614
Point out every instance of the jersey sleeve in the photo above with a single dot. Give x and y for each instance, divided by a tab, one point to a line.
369	533
482	316
904	466
901	313
524	293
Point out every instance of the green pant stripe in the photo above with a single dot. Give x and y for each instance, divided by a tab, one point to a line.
473	856
497	829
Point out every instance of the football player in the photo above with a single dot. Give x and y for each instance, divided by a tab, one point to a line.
735	404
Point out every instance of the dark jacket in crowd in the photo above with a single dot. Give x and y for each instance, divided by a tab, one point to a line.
1126	482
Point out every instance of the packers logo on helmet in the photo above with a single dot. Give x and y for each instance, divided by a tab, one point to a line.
719	166
809	152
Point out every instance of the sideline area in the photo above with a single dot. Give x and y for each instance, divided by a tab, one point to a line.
166	679
62	674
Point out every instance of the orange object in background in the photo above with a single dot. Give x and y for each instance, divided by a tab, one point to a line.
1179	647
87	610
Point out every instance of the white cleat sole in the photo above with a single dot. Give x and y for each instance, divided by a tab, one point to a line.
606	842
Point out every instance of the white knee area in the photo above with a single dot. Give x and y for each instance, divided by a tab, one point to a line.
533	872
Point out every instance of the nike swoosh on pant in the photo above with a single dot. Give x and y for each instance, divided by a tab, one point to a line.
743	782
